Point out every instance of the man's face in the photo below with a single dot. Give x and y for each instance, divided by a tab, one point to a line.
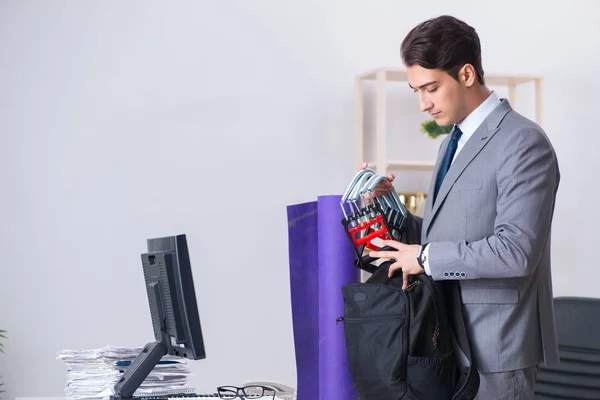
440	95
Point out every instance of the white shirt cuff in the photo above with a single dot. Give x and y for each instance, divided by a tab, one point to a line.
426	263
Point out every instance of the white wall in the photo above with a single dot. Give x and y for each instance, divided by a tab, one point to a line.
121	121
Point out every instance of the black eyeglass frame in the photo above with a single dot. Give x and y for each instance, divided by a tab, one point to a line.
264	391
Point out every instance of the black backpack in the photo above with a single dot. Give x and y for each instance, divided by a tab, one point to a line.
401	344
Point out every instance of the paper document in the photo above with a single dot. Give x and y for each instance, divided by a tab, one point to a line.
93	373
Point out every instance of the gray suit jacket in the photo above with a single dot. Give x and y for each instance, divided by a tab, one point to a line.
490	228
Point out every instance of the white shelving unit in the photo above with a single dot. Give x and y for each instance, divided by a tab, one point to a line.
382	76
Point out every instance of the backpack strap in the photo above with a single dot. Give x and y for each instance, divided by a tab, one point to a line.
468	384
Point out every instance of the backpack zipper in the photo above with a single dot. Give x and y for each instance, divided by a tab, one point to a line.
436	331
406	337
412	285
368	319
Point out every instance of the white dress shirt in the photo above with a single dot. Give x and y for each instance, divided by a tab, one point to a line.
468	127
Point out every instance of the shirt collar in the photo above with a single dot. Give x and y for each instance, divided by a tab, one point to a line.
470	124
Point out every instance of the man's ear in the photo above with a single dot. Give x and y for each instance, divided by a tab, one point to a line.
467	75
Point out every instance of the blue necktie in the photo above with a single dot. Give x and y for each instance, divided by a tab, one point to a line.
456	133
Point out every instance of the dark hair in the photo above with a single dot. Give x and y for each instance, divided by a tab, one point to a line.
445	43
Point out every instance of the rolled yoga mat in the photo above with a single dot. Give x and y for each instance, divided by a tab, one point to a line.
304	287
321	262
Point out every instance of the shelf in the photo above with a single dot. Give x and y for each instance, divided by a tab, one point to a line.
381	76
393	74
406	164
399	75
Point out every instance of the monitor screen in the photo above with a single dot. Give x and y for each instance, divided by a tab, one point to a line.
167	267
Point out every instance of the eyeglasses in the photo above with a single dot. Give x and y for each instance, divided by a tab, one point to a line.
246	392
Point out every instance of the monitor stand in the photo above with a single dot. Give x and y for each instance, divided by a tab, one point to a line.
150	355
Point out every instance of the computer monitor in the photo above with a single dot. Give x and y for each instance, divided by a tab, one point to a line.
173	308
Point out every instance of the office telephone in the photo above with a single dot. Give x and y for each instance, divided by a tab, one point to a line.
281	391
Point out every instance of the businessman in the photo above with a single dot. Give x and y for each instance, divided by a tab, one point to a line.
489	210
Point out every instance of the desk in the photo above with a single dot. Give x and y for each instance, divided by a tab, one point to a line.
41	398
177	398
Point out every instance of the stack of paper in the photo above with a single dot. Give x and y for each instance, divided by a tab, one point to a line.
92	374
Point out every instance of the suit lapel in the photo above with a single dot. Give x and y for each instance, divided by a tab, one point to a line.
429	203
474	145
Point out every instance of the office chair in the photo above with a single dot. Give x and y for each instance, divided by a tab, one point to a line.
577	376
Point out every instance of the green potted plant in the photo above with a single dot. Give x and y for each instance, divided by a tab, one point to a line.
433	130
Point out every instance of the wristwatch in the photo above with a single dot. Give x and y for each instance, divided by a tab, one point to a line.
421	258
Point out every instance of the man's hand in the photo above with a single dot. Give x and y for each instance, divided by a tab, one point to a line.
405	257
384	186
